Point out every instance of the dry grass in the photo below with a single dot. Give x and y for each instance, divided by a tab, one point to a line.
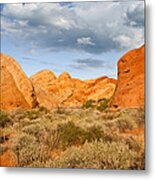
84	138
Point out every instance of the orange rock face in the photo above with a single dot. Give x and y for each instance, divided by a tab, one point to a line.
43	78
91	90
16	88
130	88
70	92
45	89
100	88
43	97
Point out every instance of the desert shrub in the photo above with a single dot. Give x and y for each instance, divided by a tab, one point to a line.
43	109
140	118
133	144
101	100
17	115
137	115
109	136
87	138
5	133
25	122
110	115
133	112
103	105
126	119
89	104
33	129
38	164
50	136
126	123
3	149
60	110
5	120
33	114
139	162
70	134
52	139
140	122
101	156
94	133
28	150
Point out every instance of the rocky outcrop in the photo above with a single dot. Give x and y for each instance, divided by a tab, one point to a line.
43	78
130	87
64	76
16	88
96	89
59	88
18	91
45	89
71	92
43	97
100	88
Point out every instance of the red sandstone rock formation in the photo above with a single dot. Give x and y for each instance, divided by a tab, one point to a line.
70	92
130	87
16	88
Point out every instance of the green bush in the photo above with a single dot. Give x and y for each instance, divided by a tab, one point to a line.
74	135
89	104
103	105
94	133
70	134
5	120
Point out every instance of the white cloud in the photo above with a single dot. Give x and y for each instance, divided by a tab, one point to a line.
62	22
123	40
85	41
94	27
135	15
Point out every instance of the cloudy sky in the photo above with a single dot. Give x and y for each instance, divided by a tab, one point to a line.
85	39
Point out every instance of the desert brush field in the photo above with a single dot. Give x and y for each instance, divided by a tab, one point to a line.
73	138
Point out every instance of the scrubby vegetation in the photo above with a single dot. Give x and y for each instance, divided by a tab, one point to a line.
5	120
100	105
74	138
89	104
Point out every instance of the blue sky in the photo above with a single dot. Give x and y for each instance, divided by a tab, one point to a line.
85	39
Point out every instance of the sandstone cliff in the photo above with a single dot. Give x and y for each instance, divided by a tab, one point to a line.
71	92
45	89
16	88
44	78
130	87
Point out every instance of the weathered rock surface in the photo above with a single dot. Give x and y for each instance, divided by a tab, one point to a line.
130	87
71	92
16	88
45	89
43	98
43	78
18	91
